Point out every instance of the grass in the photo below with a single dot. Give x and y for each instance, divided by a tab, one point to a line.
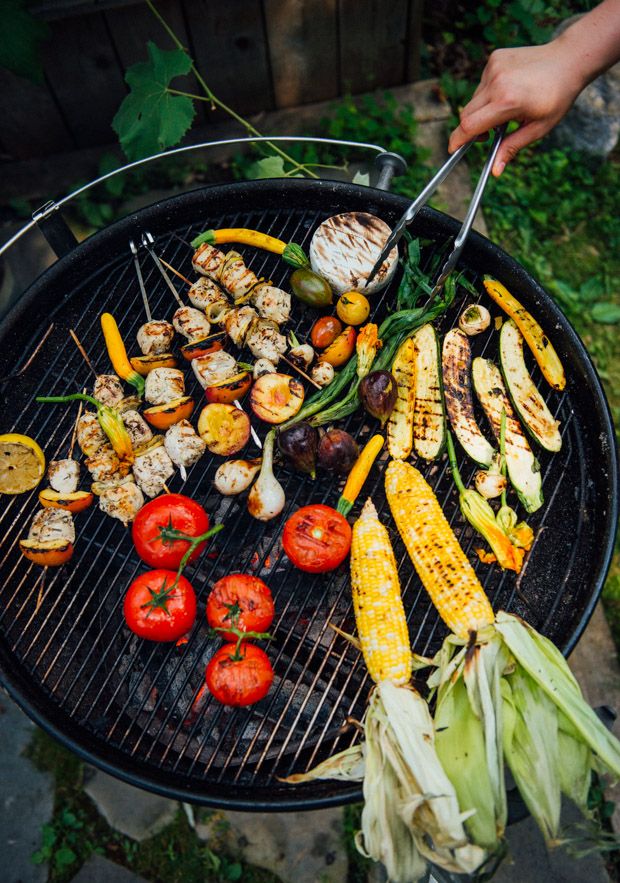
77	831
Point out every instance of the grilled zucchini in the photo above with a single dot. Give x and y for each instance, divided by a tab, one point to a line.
429	419
522	466
400	421
456	368
527	400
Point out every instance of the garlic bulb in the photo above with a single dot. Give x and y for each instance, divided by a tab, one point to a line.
474	319
322	373
235	476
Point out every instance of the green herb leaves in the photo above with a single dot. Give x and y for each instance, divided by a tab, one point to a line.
20	53
151	118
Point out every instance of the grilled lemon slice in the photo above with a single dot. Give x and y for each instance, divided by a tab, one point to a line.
22	463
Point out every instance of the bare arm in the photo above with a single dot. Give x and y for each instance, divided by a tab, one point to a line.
536	85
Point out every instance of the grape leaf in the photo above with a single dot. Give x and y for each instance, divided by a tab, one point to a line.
150	119
269	167
19	51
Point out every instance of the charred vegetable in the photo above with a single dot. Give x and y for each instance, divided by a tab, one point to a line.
299	446
474	319
235	476
536	339
266	498
528	402
456	365
523	467
359	474
337	451
429	422
400	421
378	393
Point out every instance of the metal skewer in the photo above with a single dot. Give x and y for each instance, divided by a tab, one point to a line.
148	242
145	300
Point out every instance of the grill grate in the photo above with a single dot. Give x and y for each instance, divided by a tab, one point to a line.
139	709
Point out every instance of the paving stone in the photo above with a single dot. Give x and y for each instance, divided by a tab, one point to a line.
136	813
26	798
300	847
101	870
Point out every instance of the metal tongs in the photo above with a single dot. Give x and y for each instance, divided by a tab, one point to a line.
423	198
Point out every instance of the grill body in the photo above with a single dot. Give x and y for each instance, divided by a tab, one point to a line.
138	710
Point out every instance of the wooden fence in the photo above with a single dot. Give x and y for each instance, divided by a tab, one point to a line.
256	55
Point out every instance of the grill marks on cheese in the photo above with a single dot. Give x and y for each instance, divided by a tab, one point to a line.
345	247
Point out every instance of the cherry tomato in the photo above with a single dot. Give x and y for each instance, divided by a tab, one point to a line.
353	308
240	600
174	511
316	538
325	331
155	610
239	676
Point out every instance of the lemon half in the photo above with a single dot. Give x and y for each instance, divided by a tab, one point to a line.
22	463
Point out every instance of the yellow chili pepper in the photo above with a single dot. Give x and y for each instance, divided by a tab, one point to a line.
118	354
292	253
359	474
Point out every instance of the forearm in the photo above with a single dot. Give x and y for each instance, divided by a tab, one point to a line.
592	44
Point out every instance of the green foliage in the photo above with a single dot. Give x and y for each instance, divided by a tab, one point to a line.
65	841
21	43
151	119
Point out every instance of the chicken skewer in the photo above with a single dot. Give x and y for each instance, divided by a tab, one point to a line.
155	336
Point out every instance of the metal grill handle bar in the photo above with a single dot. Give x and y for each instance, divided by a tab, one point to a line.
395	164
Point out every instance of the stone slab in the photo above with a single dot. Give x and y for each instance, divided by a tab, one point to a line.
26	798
99	869
136	813
300	847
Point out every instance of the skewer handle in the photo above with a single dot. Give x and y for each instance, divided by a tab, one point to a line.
303	373
136	262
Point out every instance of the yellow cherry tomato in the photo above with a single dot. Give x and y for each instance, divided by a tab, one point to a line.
352	308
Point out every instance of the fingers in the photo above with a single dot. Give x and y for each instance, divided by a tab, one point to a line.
513	143
478	123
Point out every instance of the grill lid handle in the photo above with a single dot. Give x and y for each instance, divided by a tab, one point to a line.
388	164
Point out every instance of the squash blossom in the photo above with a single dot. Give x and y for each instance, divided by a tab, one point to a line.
508	539
366	346
110	421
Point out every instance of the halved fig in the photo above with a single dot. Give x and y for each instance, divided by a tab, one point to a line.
203	347
227	391
276	397
47	553
74	502
144	364
163	416
341	349
223	428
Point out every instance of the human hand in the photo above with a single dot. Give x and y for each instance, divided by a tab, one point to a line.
533	85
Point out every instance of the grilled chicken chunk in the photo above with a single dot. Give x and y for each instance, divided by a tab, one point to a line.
235	277
108	389
137	427
191	323
52	524
152	470
163	385
184	445
123	501
272	303
214	367
90	435
208	261
104	464
265	341
237	321
155	337
64	475
205	292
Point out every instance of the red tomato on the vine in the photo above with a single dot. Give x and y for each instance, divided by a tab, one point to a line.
240	600
316	538
158	610
239	675
172	513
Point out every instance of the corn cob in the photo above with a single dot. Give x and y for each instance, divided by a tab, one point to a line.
441	564
379	612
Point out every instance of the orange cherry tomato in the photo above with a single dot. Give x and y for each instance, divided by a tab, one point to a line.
325	331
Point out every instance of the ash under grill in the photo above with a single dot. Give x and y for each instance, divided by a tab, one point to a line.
139	709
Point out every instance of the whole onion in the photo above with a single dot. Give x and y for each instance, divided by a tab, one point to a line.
378	392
